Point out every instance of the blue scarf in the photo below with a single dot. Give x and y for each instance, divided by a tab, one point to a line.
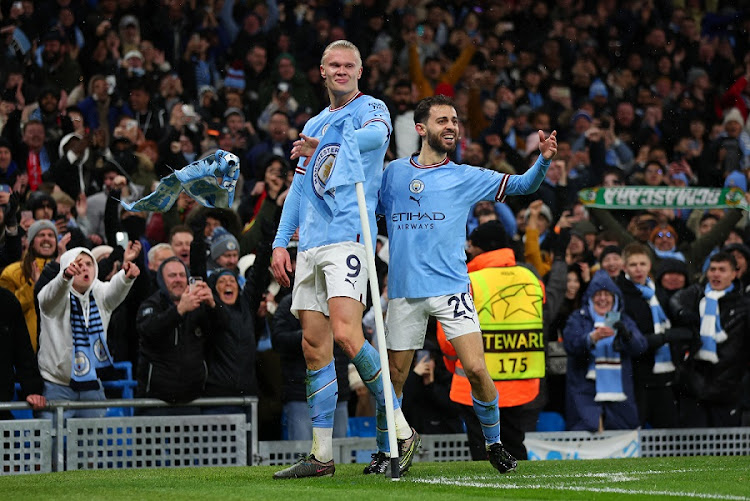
662	356
605	366
89	347
711	331
669	254
199	180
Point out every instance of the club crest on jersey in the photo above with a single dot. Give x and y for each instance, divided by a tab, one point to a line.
323	168
416	186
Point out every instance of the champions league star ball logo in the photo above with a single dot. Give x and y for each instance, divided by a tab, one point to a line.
416	186
323	168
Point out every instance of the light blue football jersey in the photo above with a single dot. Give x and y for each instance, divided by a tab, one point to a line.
346	225
426	208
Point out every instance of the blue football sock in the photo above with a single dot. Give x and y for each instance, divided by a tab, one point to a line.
488	414
367	362
322	395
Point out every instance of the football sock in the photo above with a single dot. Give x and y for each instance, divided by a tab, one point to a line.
367	362
488	414
322	395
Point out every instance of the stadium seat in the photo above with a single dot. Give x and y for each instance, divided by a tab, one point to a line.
550	421
125	387
361	427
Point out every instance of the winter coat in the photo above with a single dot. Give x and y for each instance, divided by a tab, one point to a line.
582	412
721	382
55	332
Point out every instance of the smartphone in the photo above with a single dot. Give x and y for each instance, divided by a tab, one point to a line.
122	239
611	318
4	188
27	214
422	355
193	280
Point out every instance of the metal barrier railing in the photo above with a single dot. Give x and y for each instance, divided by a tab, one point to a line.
58	431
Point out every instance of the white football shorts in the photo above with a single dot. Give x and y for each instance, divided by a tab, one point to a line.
406	319
335	270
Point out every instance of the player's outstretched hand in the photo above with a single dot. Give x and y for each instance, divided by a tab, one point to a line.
548	146
304	147
281	266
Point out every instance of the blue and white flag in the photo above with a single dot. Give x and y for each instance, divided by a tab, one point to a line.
199	180
335	163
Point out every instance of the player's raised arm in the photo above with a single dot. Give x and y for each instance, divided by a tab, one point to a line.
530	180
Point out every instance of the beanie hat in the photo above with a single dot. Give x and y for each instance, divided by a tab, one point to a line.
218	273
671	265
235	78
39	199
42	224
585	227
736	179
222	242
598	88
545	211
733	115
489	236
610	249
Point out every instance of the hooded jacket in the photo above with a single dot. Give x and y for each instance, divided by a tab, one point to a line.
582	412
55	333
172	363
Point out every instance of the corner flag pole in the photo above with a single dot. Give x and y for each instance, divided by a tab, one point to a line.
379	331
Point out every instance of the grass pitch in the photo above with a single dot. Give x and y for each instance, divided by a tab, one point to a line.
724	478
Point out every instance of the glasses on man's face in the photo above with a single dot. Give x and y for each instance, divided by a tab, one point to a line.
664	234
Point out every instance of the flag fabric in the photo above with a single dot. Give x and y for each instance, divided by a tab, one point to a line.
663	197
335	163
199	180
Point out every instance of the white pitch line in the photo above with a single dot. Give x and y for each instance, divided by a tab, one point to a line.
615	490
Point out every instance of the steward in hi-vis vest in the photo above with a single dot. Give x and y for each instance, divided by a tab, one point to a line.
509	301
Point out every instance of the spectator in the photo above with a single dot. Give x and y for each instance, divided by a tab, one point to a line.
151	120
601	342
654	370
173	325
428	74
231	350
276	143
404	140
57	66
180	238
17	362
32	152
711	377
101	109
20	277
611	261
75	310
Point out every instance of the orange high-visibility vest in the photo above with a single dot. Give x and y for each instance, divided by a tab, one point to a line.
508	299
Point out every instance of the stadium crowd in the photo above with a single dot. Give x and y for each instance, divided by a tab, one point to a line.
99	99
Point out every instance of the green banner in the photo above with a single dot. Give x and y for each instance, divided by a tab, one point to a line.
662	197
